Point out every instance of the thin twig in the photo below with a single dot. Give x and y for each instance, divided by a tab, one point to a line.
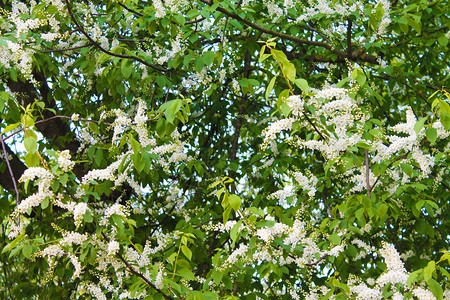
97	45
140	15
349	37
354	56
66	49
129	9
136	272
379	176
68	118
195	21
312	124
366	154
318	261
13	179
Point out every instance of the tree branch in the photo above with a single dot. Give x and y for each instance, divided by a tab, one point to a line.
392	162
129	9
13	180
349	37
97	45
136	272
356	55
318	261
366	154
66	49
26	93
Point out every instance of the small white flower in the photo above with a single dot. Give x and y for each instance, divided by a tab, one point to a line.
75	117
113	247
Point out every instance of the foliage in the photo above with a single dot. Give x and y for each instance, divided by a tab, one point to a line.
224	149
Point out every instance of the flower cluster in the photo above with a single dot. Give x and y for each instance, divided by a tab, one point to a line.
275	128
78	212
64	161
307	183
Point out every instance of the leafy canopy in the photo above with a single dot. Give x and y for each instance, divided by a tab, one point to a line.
224	149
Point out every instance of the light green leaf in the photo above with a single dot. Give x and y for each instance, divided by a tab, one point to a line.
14	243
226	214
335	239
208	57
135	145
431	134
172	108
428	270
235	230
279	56
235	202
289	70
44	203
30	144
126	68
11	127
359	76
87	217
407	169
444	109
436	289
270	86
419	124
186	251
302	84
27	251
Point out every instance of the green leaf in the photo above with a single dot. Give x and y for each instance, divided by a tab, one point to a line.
161	127
428	270
414	22
335	239
186	273
44	203
217	276
98	158
263	57
270	86
235	230
180	19
443	41
135	145
436	289
289	70
407	169
87	217
279	56
226	214
27	251
302	84
126	68
342	82
186	251
413	277
235	202
172	107
444	109
14	243
11	127
208	57
419	124
32	159
30	144
359	76
117	220
431	134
